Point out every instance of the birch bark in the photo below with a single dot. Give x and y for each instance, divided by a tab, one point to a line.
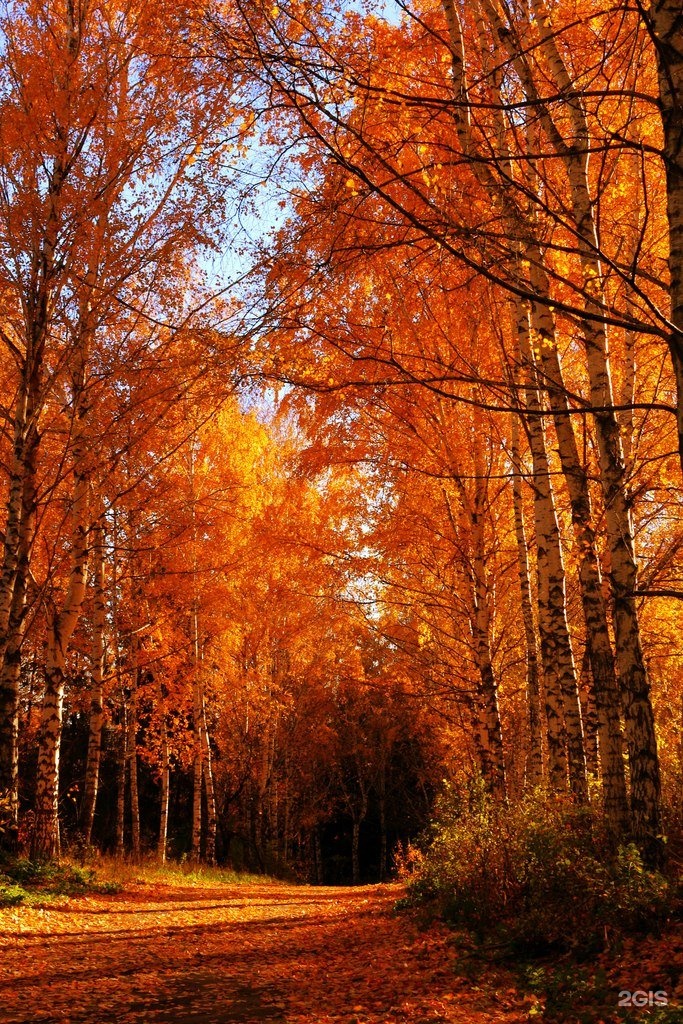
96	725
666	28
533	776
45	843
638	715
132	750
639	722
486	723
563	710
598	643
165	788
556	654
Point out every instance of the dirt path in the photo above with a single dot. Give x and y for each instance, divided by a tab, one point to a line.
296	955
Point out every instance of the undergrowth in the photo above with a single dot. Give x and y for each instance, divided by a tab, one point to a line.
537	878
25	882
30	883
186	872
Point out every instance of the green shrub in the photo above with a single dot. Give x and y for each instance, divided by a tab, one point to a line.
59	878
53	880
11	895
541	875
107	888
23	870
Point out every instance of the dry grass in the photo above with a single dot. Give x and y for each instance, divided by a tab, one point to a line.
149	871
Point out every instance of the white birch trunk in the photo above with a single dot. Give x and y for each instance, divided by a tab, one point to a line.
556	653
198	765
207	770
10	675
121	760
45	841
563	710
599	646
132	752
165	783
666	26
638	715
488	686
94	754
590	715
533	776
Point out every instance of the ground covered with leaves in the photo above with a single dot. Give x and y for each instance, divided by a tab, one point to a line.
205	953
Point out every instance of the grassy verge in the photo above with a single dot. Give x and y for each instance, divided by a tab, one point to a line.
26	883
151	872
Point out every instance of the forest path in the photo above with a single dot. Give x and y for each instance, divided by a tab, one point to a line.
166	954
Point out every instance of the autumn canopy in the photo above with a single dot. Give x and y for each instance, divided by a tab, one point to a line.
342	406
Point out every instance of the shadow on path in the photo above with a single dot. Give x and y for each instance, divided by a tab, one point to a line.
241	956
